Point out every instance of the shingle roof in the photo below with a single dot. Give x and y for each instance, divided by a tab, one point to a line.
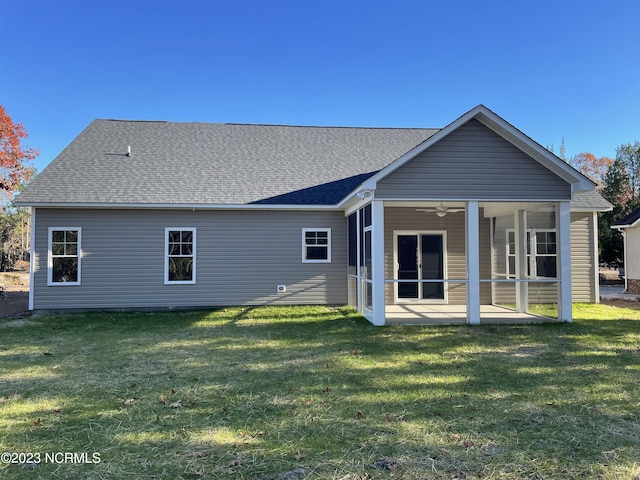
628	220
590	200
209	164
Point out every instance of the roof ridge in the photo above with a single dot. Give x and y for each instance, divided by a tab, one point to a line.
346	127
325	126
132	121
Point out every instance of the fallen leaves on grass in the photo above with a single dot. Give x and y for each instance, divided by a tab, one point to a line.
165	401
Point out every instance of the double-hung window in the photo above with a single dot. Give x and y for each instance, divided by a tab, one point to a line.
65	253
180	255
316	245
541	253
545	253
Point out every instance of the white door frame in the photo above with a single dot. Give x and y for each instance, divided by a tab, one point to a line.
419	300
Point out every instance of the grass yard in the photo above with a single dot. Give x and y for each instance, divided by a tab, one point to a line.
318	393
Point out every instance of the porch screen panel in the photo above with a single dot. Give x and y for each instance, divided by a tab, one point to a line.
352	259
432	266
367	267
352	233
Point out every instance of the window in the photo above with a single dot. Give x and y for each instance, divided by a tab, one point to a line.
64	256
180	262
316	245
541	253
545	253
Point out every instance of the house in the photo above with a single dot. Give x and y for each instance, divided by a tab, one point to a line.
476	215
629	226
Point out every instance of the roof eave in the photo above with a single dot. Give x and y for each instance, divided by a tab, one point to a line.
503	128
177	206
591	209
626	225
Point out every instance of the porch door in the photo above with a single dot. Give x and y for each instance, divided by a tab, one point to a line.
420	256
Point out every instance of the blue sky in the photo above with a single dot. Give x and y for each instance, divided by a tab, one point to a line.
553	68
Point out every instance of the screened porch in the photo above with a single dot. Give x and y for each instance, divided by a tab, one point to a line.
460	262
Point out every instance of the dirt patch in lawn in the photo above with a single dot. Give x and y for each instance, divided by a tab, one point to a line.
633	304
14	302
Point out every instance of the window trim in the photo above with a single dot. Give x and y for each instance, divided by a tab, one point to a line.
166	255
50	282
532	251
304	245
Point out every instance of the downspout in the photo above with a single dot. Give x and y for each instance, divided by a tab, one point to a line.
624	260
32	257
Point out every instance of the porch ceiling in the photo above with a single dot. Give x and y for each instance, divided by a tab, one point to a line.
490	209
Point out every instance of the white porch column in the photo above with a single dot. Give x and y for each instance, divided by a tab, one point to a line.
473	263
377	262
596	255
520	237
563	242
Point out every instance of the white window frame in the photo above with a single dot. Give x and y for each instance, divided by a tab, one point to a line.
304	245
166	255
534	250
50	256
532	253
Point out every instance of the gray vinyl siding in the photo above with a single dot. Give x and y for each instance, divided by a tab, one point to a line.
583	262
242	256
400	218
475	163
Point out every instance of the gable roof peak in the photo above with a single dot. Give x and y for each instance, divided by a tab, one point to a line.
494	122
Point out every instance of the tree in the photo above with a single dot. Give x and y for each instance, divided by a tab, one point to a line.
15	236
620	187
593	167
15	170
615	188
628	157
15	160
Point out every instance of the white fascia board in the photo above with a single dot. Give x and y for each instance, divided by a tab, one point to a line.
622	227
591	209
354	206
493	121
174	206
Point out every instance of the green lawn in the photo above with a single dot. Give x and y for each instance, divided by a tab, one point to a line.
317	392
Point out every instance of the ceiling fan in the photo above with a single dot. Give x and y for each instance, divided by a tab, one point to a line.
440	210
